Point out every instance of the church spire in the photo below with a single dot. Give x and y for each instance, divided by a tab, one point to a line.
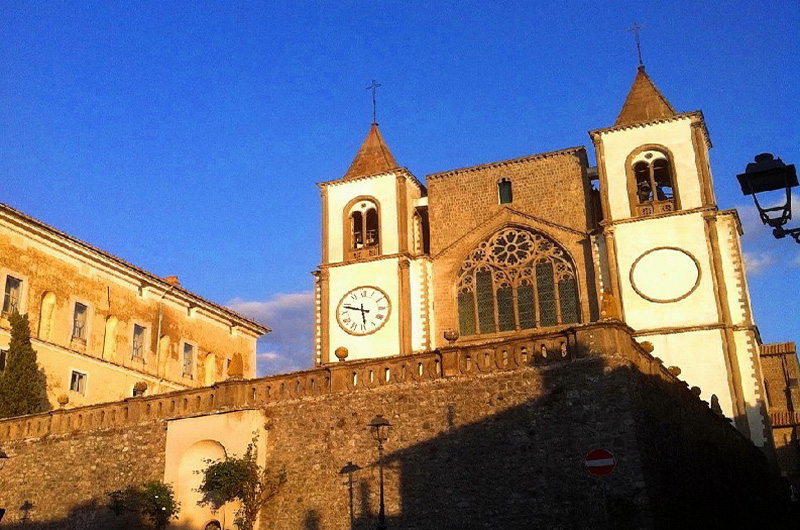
373	156
644	102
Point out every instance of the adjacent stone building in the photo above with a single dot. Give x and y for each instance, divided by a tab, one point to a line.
101	326
781	382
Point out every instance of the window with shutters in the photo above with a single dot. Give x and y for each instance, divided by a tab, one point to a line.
138	342
13	294
517	279
79	319
188	360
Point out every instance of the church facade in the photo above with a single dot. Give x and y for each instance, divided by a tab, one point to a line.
545	242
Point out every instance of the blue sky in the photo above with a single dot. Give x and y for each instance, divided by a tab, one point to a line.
186	137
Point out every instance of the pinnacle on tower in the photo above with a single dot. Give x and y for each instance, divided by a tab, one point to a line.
644	102
373	156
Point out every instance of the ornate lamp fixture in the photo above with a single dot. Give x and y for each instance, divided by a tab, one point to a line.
768	173
380	432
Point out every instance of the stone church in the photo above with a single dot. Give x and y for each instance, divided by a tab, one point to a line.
547	241
506	320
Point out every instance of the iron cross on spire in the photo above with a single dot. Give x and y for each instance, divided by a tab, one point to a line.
635	30
372	87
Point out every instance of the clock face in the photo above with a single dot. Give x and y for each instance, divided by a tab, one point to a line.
363	310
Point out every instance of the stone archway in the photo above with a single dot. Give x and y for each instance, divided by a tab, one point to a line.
191	464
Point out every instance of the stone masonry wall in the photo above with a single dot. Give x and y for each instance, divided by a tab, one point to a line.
464	210
485	437
781	372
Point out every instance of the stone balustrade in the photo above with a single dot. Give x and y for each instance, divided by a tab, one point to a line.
522	351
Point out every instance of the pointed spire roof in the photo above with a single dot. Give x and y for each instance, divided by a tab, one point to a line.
644	102
373	156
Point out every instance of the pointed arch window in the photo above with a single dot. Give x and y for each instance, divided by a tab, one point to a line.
515	280
363	225
653	183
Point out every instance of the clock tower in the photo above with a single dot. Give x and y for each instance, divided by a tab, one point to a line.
372	288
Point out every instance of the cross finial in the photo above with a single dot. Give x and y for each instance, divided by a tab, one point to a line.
635	30
372	87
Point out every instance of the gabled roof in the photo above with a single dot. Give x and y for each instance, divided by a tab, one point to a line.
644	102
373	156
102	258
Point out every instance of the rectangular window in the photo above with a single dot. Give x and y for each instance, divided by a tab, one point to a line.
137	345
188	359
77	382
79	321
12	296
3	354
504	191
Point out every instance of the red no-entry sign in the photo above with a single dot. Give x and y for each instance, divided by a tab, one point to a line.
599	462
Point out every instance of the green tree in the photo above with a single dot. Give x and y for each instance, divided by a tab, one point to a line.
243	480
23	388
153	501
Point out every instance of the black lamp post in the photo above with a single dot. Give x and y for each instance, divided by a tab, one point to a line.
768	173
348	470
380	432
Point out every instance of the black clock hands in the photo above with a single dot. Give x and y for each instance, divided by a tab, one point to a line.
356	308
363	311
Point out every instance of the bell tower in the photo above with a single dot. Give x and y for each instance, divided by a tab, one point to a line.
373	281
675	271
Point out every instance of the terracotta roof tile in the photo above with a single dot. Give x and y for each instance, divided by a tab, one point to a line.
373	157
644	102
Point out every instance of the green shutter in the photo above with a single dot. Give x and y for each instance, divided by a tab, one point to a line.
568	298
547	300
505	309
525	307
483	291
466	313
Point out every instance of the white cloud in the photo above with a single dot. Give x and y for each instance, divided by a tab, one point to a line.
756	263
796	261
290	316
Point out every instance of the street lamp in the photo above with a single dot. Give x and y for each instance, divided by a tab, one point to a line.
348	470
768	173
380	432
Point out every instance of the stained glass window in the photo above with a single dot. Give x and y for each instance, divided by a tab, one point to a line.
513	278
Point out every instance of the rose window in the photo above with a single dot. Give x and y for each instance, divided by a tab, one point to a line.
517	279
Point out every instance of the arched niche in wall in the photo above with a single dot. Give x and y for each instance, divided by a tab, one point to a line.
47	315
190	468
110	339
210	369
